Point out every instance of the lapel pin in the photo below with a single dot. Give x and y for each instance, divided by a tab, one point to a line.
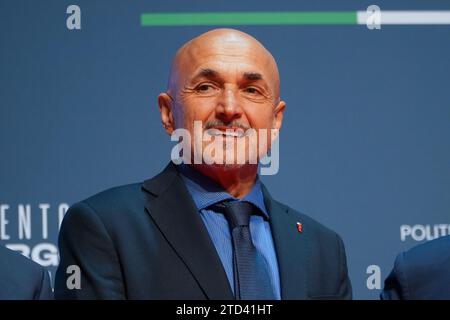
299	227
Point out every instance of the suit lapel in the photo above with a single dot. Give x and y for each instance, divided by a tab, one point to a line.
291	249
174	212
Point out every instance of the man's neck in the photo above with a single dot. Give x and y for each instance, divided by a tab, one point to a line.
237	181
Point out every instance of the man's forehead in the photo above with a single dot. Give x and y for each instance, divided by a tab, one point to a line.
228	52
214	73
221	63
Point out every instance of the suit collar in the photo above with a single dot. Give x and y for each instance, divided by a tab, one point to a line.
159	183
173	211
291	249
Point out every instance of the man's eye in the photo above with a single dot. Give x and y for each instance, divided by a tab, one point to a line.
251	90
204	88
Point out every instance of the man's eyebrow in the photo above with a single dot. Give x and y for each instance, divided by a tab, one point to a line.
206	73
253	76
213	74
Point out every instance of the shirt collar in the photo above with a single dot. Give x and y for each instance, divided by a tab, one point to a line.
206	192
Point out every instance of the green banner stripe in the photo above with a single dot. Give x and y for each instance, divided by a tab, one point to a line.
247	18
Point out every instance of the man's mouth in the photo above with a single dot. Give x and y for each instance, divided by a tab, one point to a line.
226	132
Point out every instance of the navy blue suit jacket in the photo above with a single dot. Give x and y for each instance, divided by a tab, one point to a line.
22	278
423	272
147	241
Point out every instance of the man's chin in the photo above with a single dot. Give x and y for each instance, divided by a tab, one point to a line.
228	166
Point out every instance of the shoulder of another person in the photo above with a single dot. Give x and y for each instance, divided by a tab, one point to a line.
434	253
17	261
18	270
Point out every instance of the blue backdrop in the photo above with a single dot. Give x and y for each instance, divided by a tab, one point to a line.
364	147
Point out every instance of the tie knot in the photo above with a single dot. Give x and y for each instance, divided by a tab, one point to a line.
237	213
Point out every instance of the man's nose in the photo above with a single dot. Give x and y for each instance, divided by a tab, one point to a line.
228	107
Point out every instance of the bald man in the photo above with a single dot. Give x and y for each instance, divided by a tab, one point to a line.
205	227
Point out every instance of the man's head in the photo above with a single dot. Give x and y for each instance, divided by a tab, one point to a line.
226	79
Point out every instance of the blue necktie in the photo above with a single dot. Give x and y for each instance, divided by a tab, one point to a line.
251	276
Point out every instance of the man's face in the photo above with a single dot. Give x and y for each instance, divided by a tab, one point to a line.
228	84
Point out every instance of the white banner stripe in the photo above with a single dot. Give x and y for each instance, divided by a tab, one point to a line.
406	17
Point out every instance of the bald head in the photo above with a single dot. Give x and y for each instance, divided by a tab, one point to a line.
228	48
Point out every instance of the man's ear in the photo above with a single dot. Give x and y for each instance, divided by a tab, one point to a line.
278	115
165	103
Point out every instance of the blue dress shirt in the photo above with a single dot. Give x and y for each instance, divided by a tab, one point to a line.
205	192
